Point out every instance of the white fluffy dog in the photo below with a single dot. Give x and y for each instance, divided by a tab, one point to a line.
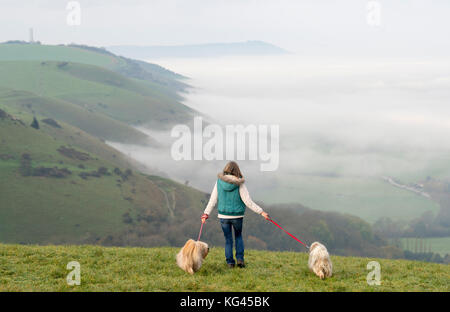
190	257
319	260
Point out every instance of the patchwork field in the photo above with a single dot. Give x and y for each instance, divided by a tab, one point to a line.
367	198
440	245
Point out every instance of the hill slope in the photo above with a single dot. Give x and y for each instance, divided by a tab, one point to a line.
165	79
58	184
92	89
38	268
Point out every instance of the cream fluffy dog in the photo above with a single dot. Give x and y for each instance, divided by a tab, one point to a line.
190	257
319	260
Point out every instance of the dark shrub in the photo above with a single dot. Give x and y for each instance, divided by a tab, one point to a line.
35	123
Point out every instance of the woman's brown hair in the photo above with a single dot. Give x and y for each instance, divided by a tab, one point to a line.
233	169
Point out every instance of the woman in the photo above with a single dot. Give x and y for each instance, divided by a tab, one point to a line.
232	197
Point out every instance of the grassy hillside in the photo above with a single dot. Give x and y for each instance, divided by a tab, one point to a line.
166	80
95	91
23	103
43	268
92	89
59	184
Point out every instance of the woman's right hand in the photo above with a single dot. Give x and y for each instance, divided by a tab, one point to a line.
265	215
204	217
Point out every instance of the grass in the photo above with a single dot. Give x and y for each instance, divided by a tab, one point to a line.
34	52
63	215
11	52
94	89
39	209
43	268
96	124
71	209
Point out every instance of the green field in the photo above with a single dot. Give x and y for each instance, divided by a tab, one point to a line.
93	96
165	79
92	89
31	52
75	209
440	245
367	198
43	268
86	95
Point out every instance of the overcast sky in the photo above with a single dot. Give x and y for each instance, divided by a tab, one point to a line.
419	26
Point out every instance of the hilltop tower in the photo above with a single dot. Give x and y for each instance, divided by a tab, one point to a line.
31	36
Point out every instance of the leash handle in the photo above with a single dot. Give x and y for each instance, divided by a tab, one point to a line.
200	233
289	234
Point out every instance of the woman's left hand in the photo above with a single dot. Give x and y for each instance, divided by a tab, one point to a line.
265	215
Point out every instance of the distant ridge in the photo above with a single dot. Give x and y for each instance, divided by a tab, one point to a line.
198	50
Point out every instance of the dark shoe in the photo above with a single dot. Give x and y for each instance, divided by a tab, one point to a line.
240	264
230	265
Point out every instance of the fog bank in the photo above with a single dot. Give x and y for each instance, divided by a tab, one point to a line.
337	117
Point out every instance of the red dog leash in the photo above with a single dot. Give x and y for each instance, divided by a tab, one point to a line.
201	228
289	234
200	233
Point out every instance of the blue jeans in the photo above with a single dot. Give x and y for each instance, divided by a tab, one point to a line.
227	224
